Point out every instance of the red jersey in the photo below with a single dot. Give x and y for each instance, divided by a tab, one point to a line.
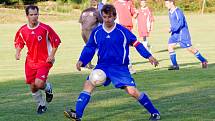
144	20
39	41
125	11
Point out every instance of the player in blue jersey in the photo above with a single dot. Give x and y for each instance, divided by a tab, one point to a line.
112	42
180	35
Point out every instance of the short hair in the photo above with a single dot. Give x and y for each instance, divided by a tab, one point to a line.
170	0
109	9
32	7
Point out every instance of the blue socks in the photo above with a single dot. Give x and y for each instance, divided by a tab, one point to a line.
200	57
82	102
146	102
173	58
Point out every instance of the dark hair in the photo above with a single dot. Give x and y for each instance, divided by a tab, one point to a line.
170	0
32	7
109	9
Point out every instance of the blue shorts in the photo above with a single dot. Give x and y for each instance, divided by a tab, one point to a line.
118	75
176	38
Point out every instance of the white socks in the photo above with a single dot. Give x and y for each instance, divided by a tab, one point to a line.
38	97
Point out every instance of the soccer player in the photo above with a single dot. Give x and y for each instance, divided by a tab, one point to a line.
42	43
89	19
125	11
112	42
180	35
145	20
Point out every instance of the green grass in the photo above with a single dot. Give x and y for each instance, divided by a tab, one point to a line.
184	95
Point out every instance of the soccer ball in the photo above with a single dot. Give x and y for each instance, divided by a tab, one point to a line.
97	77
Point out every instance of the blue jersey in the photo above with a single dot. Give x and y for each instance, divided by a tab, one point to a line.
179	28
112	46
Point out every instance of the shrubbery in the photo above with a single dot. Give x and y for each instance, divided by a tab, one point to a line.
157	5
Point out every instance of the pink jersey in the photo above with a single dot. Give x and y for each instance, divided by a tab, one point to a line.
39	41
144	20
125	11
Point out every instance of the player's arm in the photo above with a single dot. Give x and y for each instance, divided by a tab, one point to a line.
88	51
19	44
180	21
51	57
55	42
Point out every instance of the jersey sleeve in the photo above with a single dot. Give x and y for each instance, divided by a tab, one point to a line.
19	41
53	37
180	21
88	50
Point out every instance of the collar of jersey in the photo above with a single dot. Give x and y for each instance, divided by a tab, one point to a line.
103	26
34	27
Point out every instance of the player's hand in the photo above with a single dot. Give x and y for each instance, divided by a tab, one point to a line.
153	61
78	65
17	56
50	59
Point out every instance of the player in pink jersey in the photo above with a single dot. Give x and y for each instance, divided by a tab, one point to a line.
42	43
145	20
125	11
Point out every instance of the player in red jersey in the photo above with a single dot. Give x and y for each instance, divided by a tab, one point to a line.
125	11
145	20
42	43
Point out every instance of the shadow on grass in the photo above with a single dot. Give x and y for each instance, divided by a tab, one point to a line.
185	95
142	62
166	50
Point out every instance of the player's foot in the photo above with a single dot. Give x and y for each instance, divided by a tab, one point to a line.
41	109
155	117
205	64
49	94
71	114
173	68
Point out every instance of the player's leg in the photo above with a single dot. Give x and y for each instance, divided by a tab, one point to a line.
42	83
36	93
198	56
172	55
81	103
146	44
144	101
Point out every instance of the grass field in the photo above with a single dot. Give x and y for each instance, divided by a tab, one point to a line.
184	95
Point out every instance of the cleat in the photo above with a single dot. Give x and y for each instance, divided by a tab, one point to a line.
173	68
205	64
41	109
155	117
49	94
71	114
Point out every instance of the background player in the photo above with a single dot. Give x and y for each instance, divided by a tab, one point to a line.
42	43
145	21
89	19
180	34
125	12
112	41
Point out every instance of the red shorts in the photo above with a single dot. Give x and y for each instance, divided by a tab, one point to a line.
40	72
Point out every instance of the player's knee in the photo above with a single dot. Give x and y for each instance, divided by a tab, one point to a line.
40	84
133	93
88	87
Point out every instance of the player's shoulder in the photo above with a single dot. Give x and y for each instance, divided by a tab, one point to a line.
23	27
98	28
121	27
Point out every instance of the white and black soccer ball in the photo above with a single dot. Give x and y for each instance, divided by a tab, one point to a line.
97	77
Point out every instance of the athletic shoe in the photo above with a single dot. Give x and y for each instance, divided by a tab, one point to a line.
173	68
71	114
205	64
41	109
49	94
155	117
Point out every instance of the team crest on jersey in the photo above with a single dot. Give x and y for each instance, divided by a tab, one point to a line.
39	38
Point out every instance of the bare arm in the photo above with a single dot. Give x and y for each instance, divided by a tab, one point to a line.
51	57
18	53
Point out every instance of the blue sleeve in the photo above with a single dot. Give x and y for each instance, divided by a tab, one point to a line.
88	50
143	51
180	21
